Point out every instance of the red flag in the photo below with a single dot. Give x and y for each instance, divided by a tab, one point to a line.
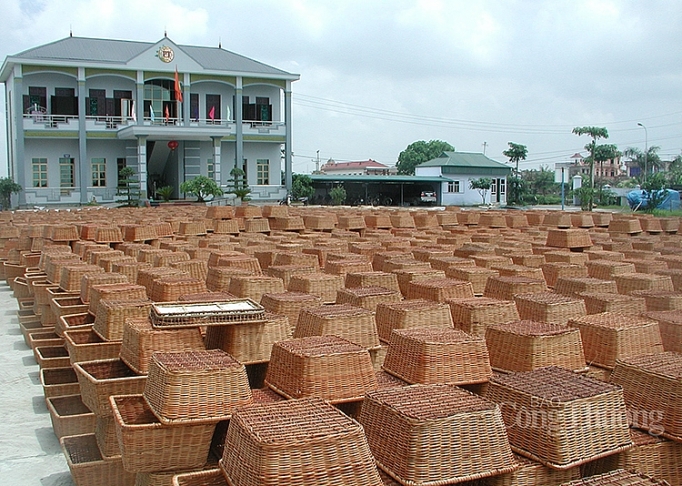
211	114
178	92
166	113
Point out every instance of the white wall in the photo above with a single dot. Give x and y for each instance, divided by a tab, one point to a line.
427	171
226	92
270	151
268	91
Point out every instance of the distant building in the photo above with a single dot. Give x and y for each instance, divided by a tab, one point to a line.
362	167
609	170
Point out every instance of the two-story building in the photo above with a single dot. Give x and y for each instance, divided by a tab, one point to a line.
361	167
80	109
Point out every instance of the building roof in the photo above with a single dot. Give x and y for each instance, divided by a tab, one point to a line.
84	50
464	159
387	179
362	164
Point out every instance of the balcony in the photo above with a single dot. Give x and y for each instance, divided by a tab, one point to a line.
42	121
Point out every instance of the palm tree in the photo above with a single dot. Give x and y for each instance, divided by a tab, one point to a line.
651	163
595	133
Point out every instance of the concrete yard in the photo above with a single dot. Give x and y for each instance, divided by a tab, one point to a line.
30	453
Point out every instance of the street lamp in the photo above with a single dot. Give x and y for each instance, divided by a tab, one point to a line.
646	149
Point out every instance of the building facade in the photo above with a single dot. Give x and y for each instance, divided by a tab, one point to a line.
80	109
459	169
362	167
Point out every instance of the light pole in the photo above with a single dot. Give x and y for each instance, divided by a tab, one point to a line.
646	149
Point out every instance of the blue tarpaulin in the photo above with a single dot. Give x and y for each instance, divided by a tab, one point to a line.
639	199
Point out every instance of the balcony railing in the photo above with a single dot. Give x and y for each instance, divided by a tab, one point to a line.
34	121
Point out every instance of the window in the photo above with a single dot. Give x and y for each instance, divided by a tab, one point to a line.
262	172
194	106
39	172
493	187
210	166
120	165
66	172
159	99
99	171
453	186
213	106
36	100
503	187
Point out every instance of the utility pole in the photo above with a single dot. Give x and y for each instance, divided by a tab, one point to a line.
485	145
317	162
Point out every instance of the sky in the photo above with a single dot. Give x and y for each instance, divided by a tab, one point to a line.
376	76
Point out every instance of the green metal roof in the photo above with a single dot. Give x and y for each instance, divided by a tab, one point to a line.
465	161
388	179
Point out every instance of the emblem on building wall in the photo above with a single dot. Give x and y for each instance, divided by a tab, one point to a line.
165	53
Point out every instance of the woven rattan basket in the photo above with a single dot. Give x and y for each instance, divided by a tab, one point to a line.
70	322
250	342
115	292
569	238
195	386
105	433
372	279
474	315
658	300
289	304
90	280
169	289
652	383
87	345
254	286
431	355
99	380
296	442
560	418
71	275
478	276
327	367
528	345
574	286
149	446
630	282
88	466
440	290
49	357
367	297
597	302
355	324
141	340
505	288
58	382
670	325
411	313
70	416
435	434
532	473
610	336
619	477
549	307
607	269
112	314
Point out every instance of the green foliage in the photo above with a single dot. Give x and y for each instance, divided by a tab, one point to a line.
165	193
585	196
238	185
129	188
515	153
7	188
419	152
655	194
675	171
338	195
482	185
647	164
302	186
202	187
595	133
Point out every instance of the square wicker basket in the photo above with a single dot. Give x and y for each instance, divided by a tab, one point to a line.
355	324
670	324
195	386
619	477
597	302
431	355
59	382
473	316
328	367
99	380
553	270
70	416
89	467
532	473
411	313
87	345
112	314
289	304
149	446
610	336
528	345
574	286
549	307
367	297
435	435
653	383
505	288
296	442
560	418
440	289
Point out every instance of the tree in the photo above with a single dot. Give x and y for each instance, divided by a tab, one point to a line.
129	188
482	185
419	152
238	185
647	164
516	152
338	195
302	186
654	189
595	133
675	171
603	153
202	187
7	188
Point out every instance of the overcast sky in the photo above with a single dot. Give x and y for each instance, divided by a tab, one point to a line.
379	75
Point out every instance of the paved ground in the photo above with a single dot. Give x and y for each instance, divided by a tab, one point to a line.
30	454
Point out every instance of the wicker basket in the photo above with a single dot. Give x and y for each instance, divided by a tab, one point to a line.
296	442
58	382
149	446
557	219
112	314
289	304
474	315
440	290
64	306
670	325
169	289
610	336
575	286
367	297
39	338
435	434
49	357
657	300
529	345
87	345
625	225
549	307
432	355
250	342
89	467
478	276
652	385
598	302
218	278
619	477
195	386
344	266
569	238
565	256
613	256
608	269
90	280
70	416
71	276
560	418
239	261
372	279
630	282
99	380
505	288
286	272
327	367
115	292
411	313
254	286
532	473
355	324
554	270
409	275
